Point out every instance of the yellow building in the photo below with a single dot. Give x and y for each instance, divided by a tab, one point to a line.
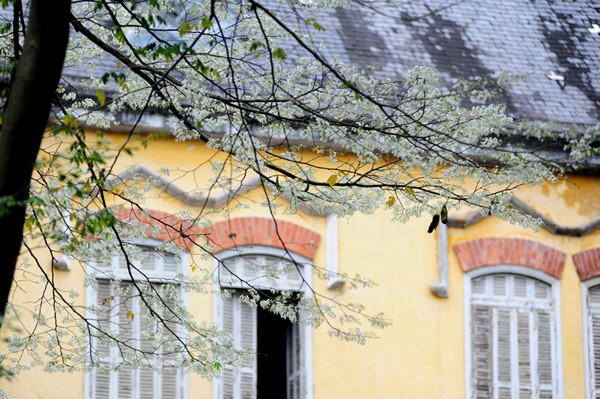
476	306
481	308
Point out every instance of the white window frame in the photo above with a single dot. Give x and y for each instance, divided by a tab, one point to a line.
589	361
90	297
307	329
526	272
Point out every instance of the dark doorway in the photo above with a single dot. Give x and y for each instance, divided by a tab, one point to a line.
271	356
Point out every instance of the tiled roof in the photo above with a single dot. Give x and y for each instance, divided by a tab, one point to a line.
484	37
468	38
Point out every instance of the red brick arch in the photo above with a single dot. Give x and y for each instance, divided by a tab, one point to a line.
242	231
587	263
510	251
169	227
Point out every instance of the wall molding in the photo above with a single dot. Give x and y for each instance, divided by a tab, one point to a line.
493	251
213	200
546	223
164	226
587	263
248	231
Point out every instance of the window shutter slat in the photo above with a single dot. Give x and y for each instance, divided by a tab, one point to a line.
544	349
227	382
247	339
239	319
524	347
101	377
169	374
148	381
503	342
145	381
499	285
247	385
247	326
101	384
103	300
125	383
594	338
596	351
504	393
482	351
228	374
125	377
512	335
295	361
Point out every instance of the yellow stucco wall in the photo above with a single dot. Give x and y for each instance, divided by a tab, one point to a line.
422	354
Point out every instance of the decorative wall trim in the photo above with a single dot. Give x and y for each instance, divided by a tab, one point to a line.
197	200
212	201
492	251
521	206
587	263
236	232
166	227
220	199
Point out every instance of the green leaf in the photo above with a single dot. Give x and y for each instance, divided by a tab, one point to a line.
315	24
318	26
332	180
206	23
101	96
409	191
255	45
390	201
279	54
184	28
119	34
70	120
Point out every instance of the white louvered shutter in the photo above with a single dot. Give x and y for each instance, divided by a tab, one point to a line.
545	369
512	338
295	361
481	317
101	378
247	334
145	374
239	319
227	324
261	272
126	334
593	303
502	352
170	374
144	382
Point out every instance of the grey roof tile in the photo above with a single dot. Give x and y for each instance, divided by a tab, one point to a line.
483	37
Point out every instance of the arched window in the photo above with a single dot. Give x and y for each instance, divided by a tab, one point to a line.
512	338
283	365
592	321
119	311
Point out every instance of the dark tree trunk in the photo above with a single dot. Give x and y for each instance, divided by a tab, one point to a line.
25	119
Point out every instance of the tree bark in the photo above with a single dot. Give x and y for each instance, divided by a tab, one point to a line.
25	119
